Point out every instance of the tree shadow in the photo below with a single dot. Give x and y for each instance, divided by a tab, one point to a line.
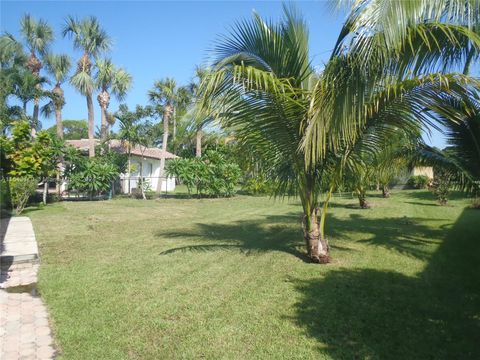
421	203
366	313
403	234
269	233
428	195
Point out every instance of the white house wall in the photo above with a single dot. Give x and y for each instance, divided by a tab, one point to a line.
153	178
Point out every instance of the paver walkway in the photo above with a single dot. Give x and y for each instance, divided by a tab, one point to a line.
24	328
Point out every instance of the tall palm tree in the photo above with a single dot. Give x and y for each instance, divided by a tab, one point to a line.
167	96
268	92
38	36
90	38
59	67
110	79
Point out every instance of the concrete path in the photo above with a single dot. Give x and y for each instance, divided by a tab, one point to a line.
24	328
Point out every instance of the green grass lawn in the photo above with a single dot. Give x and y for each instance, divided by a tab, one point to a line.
227	278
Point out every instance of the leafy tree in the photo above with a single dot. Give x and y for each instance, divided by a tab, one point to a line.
32	158
20	190
90	38
72	129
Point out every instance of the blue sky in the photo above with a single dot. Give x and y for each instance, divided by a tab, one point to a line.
156	39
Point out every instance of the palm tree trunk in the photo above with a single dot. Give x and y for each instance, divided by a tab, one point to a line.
468	61
129	169
198	146
104	123
58	118
34	122
317	247
385	191
362	199
166	118
142	190
91	126
174	134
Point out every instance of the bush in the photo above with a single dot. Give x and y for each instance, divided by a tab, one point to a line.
211	175
257	186
419	182
21	188
4	196
441	186
94	177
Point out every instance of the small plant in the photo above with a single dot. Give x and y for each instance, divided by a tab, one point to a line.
21	188
441	187
145	189
419	182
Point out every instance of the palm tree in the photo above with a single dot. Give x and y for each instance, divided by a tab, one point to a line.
167	96
58	66
394	42
198	116
90	38
27	87
11	52
129	133
306	126
460	160
113	79
37	36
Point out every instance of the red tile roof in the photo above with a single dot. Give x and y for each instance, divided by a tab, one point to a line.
116	145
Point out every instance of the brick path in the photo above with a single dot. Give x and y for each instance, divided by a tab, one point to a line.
24	328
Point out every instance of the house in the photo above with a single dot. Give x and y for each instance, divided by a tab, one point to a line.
422	171
146	160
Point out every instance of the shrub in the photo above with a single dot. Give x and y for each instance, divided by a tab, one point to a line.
94	177
4	195
418	182
136	193
21	188
257	186
441	186
211	175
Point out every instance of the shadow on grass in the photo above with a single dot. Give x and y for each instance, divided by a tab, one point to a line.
428	195
403	234
283	233
387	315
271	233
